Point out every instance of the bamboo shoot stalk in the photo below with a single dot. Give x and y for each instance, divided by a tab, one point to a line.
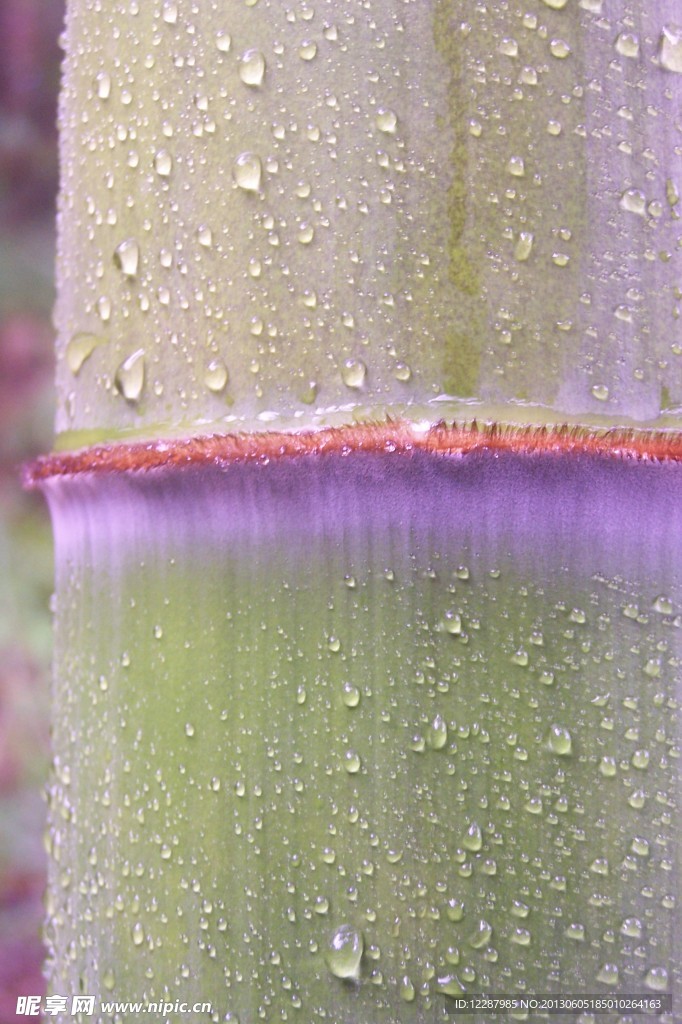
355	714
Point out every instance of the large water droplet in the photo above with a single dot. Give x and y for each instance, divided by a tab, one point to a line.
386	121
353	373
670	48
127	256
103	84
223	41
344	953
627	45
560	741
247	171
163	162
252	68
216	375
169	12
79	348
473	840
130	376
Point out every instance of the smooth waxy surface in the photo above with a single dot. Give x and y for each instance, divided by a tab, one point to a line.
360	734
297	215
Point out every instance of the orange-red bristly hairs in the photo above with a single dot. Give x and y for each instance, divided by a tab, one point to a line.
400	437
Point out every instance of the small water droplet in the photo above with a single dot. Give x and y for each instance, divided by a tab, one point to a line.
508	47
189	729
386	121
252	68
353	373
127	256
216	375
138	933
344	952
129	376
556	5
608	974
600	392
163	162
575	931
402	372
109	979
516	166
247	171
632	927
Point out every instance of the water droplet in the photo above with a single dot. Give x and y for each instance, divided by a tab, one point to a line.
560	741
608	974
386	121
205	236
452	623
633	201
627	45
600	392
353	373
252	68
130	376
508	47
189	729
524	246
663	605
482	934
556	5
351	695
437	733
307	50
640	759
576	932
104	308
473	840
352	762
247	171
109	979
216	375
670	48
516	166
79	348
344	952
138	933
306	234
656	978
407	990
632	927
103	84
559	48
163	162
402	372
170	12
223	41
127	257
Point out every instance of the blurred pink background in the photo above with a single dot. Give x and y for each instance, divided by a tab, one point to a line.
29	79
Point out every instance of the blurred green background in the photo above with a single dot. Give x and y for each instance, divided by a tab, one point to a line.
29	80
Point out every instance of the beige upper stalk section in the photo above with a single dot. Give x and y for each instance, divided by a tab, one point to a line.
285	214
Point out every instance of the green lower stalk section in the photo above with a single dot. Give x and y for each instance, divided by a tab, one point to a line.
354	737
